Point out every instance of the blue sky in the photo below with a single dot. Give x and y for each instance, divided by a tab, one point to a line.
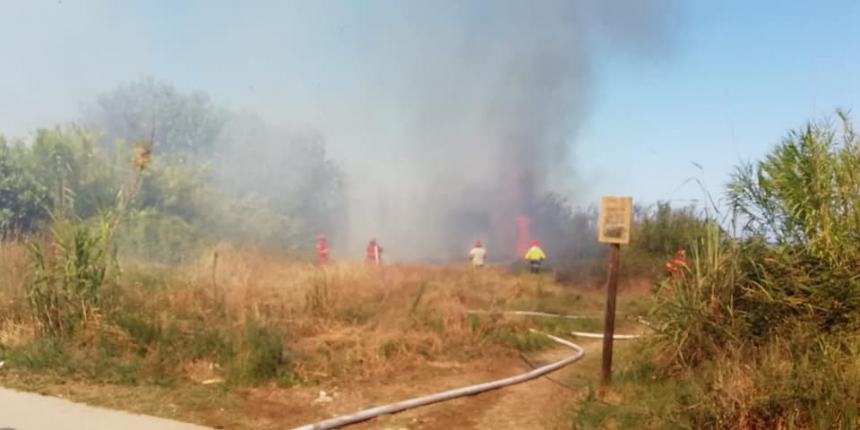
724	81
739	75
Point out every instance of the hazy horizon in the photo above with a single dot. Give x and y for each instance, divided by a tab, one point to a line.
443	110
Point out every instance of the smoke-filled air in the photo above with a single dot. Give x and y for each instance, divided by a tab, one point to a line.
426	126
489	97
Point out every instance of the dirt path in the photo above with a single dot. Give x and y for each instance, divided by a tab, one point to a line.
27	411
544	403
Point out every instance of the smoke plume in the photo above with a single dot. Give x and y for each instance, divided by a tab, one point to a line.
492	94
439	122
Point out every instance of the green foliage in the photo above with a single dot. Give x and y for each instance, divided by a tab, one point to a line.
262	355
764	327
806	192
152	236
65	288
280	200
643	401
80	184
23	200
254	222
663	230
175	212
45	353
175	189
141	337
657	233
62	174
180	123
777	386
290	172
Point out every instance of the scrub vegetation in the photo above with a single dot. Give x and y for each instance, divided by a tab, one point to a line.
128	258
260	325
761	332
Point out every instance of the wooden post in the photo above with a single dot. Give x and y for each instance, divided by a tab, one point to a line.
609	320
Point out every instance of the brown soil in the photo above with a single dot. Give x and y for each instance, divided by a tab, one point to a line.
543	403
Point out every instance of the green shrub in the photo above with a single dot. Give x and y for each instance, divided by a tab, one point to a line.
145	333
764	328
261	355
66	284
151	236
41	354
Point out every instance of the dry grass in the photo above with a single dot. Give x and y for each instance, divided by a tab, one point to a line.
352	321
14	269
370	333
248	308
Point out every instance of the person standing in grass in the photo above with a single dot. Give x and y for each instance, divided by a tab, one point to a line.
535	256
373	253
478	254
322	250
677	265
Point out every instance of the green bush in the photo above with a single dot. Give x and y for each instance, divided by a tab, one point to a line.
45	353
662	230
765	328
23	200
64	290
261	356
148	235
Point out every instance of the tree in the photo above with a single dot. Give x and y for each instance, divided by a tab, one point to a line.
23	201
80	180
178	123
288	170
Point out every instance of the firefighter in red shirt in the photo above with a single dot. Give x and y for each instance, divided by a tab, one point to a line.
374	252
322	250
677	265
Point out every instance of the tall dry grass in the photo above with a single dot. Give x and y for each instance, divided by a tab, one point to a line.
353	319
248	316
14	267
14	270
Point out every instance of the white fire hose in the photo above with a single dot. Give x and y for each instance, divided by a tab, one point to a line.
569	317
392	408
450	394
538	314
600	335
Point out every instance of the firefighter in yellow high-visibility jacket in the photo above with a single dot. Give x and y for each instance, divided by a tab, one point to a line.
535	257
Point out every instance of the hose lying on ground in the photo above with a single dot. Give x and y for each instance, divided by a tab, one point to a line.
367	414
600	335
569	317
450	394
539	314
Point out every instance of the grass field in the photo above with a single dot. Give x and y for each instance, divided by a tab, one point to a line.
218	340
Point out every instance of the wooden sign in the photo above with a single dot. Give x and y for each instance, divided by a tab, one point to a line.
616	215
